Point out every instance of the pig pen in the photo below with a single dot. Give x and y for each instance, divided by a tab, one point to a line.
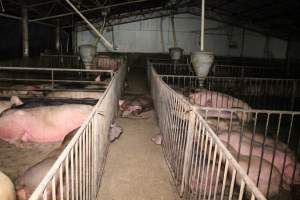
276	127
202	170
77	172
226	70
49	85
104	62
260	93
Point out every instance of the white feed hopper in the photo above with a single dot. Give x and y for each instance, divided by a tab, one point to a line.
87	53
202	62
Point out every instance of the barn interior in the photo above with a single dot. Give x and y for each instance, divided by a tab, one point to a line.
149	99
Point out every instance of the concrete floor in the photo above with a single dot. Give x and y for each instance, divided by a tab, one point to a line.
135	167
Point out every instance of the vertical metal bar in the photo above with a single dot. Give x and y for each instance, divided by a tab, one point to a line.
80	167
72	175
187	155
61	182
53	188
202	25
67	177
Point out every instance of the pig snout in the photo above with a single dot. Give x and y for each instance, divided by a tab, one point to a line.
7	189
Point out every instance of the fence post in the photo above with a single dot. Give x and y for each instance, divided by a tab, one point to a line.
188	150
293	98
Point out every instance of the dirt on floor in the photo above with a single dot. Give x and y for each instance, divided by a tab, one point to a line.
135	167
15	160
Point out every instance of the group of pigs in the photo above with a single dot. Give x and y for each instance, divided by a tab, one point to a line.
22	124
269	163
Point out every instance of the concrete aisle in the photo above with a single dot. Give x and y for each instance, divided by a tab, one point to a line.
135	167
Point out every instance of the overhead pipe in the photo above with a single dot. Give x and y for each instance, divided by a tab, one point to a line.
106	42
173	31
202	60
202	25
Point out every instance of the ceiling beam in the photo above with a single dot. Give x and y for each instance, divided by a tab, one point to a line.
89	10
42	3
136	16
20	18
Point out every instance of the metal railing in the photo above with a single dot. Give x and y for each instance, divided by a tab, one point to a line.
61	61
266	144
51	76
260	93
248	71
201	165
104	62
221	70
76	174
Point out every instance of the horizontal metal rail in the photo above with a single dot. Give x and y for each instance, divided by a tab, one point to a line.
53	69
248	71
61	60
53	76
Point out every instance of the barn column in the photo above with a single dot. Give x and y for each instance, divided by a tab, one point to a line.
57	36
25	38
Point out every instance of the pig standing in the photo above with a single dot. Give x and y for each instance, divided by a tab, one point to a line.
7	189
42	124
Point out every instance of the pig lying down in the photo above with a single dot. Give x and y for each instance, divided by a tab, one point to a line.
42	124
206	98
133	107
31	178
27	183
284	160
7	188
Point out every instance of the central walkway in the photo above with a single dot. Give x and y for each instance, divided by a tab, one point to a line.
135	167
